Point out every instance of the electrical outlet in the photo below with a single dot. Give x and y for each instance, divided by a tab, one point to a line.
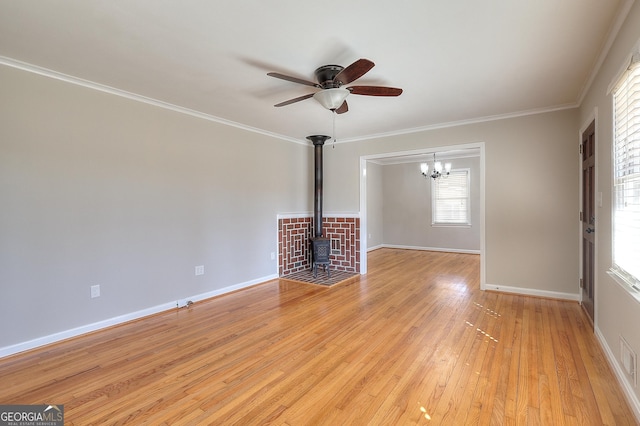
273	255
95	291
200	270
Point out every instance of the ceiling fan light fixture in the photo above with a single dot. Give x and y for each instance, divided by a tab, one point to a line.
331	98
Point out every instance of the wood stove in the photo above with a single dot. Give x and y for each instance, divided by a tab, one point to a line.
321	251
320	246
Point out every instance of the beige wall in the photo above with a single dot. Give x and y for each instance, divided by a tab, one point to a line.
531	194
407	210
98	189
375	206
617	312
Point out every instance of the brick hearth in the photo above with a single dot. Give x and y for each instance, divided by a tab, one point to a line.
294	236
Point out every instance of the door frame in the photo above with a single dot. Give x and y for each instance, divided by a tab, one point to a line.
363	198
592	118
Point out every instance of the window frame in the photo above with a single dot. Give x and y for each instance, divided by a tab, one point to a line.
434	200
630	78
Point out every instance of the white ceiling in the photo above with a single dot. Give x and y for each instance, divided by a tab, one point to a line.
457	61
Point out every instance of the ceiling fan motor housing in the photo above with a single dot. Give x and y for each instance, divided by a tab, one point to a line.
325	75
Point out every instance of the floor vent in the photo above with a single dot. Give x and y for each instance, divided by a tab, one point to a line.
629	361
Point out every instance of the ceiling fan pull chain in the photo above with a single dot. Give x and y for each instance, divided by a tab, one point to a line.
334	129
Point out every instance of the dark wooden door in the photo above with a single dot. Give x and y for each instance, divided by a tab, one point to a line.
588	216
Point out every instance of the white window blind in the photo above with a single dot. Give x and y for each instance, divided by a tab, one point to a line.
451	199
626	177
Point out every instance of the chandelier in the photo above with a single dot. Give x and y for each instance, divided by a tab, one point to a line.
438	171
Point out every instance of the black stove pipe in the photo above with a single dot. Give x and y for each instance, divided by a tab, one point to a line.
318	142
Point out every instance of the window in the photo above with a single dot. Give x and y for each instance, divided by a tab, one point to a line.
450	198
626	176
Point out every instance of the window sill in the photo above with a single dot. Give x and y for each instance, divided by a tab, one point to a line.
625	284
451	225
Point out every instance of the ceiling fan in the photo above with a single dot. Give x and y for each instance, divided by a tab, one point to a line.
331	78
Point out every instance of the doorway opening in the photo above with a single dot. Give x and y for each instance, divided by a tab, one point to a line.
416	154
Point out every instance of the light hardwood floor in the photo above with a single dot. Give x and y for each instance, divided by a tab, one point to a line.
413	342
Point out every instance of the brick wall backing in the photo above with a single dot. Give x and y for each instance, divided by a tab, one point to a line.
294	239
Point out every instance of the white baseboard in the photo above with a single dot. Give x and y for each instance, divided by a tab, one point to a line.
632	398
447	250
533	292
74	332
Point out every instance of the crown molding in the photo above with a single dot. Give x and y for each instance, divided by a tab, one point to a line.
466	122
13	63
623	12
198	114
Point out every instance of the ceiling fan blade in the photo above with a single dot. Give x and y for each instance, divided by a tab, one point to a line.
293	79
343	108
375	90
294	100
354	71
